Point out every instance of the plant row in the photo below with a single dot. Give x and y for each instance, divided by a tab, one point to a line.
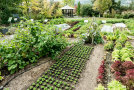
72	31
79	51
122	56
123	49
63	74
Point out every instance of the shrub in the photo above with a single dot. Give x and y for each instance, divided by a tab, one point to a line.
30	44
118	16
86	10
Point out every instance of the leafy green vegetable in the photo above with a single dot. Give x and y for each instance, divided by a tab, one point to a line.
109	46
100	87
116	85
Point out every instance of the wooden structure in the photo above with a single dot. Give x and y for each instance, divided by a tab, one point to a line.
67	11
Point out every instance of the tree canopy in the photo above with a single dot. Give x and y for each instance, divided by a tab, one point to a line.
102	5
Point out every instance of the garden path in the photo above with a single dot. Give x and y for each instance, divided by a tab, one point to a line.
88	79
24	80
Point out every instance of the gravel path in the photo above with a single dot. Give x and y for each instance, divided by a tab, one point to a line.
88	79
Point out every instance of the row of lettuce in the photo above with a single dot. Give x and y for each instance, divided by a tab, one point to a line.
122	66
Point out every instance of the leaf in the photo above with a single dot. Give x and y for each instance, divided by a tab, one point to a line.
12	67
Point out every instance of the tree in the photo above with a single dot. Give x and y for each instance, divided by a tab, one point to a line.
69	2
102	5
115	5
78	8
131	5
7	8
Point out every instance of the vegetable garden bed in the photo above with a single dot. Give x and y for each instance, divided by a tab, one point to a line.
64	74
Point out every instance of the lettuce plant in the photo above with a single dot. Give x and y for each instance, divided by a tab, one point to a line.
100	87
116	85
124	72
101	72
109	46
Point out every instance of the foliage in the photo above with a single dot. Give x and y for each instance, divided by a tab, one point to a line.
111	37
78	8
40	9
118	46
93	34
115	85
128	14
123	53
32	41
86	10
116	21
100	87
116	6
57	21
101	72
66	71
109	46
0	76
75	30
7	8
102	5
124	72
69	2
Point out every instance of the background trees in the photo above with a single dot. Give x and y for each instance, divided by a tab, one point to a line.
69	2
7	8
102	5
78	8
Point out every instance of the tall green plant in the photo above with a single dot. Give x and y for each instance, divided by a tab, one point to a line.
78	8
94	33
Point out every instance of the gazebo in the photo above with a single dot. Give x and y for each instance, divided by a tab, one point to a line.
67	11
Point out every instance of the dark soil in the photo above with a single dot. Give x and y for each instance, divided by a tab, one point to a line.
73	23
76	29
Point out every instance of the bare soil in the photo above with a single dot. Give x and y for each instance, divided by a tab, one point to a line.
88	78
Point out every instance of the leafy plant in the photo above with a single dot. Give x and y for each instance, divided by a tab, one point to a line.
100	87
109	46
0	76
32	41
101	72
123	72
115	85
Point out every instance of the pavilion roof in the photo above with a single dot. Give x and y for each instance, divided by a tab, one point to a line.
67	7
